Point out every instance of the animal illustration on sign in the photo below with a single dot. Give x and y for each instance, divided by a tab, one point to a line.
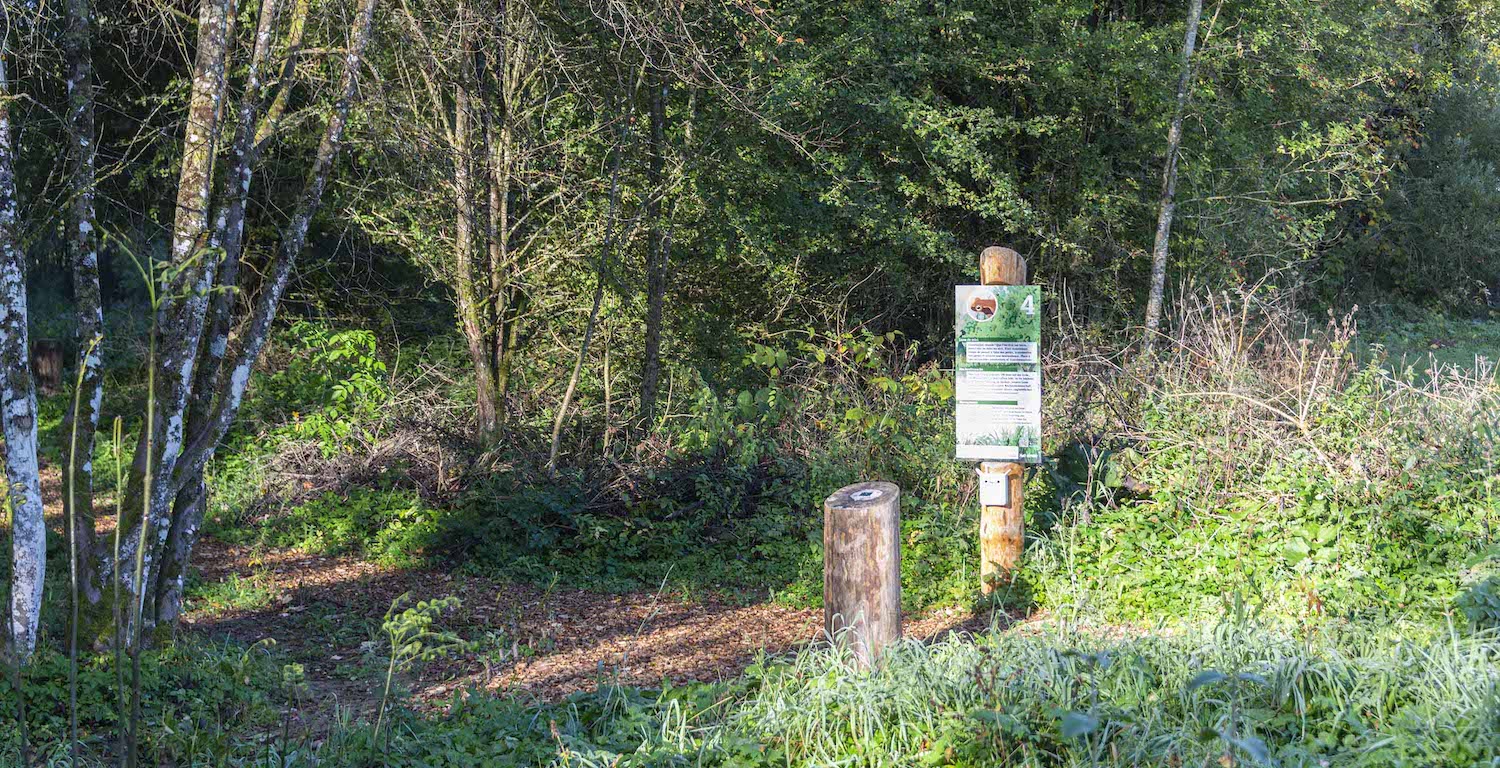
983	305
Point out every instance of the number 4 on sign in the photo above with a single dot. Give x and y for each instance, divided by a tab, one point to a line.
1029	305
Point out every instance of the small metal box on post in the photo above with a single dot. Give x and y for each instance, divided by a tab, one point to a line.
862	567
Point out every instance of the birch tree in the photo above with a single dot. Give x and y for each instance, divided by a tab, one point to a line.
18	396
1168	204
83	255
234	377
186	280
205	368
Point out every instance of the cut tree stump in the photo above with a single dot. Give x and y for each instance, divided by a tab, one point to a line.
862	567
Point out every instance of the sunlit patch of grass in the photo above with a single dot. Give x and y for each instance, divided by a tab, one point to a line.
235	594
1234	694
1439	341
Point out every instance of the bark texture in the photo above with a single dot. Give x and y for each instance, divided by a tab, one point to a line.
18	402
658	248
862	568
229	225
184	292
467	285
83	254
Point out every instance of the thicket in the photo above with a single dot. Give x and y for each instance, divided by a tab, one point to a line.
1260	452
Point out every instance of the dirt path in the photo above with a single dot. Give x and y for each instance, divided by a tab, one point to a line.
325	612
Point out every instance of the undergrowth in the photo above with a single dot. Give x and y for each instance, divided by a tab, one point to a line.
1238	692
1258	451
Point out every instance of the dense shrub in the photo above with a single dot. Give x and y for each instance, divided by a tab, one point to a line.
1258	453
1281	463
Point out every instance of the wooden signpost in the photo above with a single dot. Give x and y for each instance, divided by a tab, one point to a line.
862	567
998	378
998	421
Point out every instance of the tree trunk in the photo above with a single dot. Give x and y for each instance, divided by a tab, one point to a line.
605	251
186	290
1169	180
498	137
83	255
658	245
18	400
229	226
184	530
466	284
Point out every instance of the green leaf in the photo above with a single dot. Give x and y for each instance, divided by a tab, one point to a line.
1075	724
1206	677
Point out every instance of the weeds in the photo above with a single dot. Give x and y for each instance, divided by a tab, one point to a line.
411	637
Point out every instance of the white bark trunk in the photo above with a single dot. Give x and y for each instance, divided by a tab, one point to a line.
186	295
184	481
83	253
1169	180
229	226
18	404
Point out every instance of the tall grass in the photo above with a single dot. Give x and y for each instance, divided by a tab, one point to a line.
71	525
1225	694
1235	692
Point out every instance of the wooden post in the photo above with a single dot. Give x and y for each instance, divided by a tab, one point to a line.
1002	529
47	365
862	567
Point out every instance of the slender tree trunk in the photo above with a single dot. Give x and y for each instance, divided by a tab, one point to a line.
83	255
498	134
18	401
658	246
186	483
508	102
229	225
466	283
609	416
1169	180
588	330
271	120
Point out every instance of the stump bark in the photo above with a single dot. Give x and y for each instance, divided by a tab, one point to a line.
862	567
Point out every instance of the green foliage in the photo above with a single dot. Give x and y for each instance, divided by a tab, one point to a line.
233	593
1433	236
325	384
1365	492
193	693
1479	602
1321	485
394	527
411	637
1236	692
733	501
